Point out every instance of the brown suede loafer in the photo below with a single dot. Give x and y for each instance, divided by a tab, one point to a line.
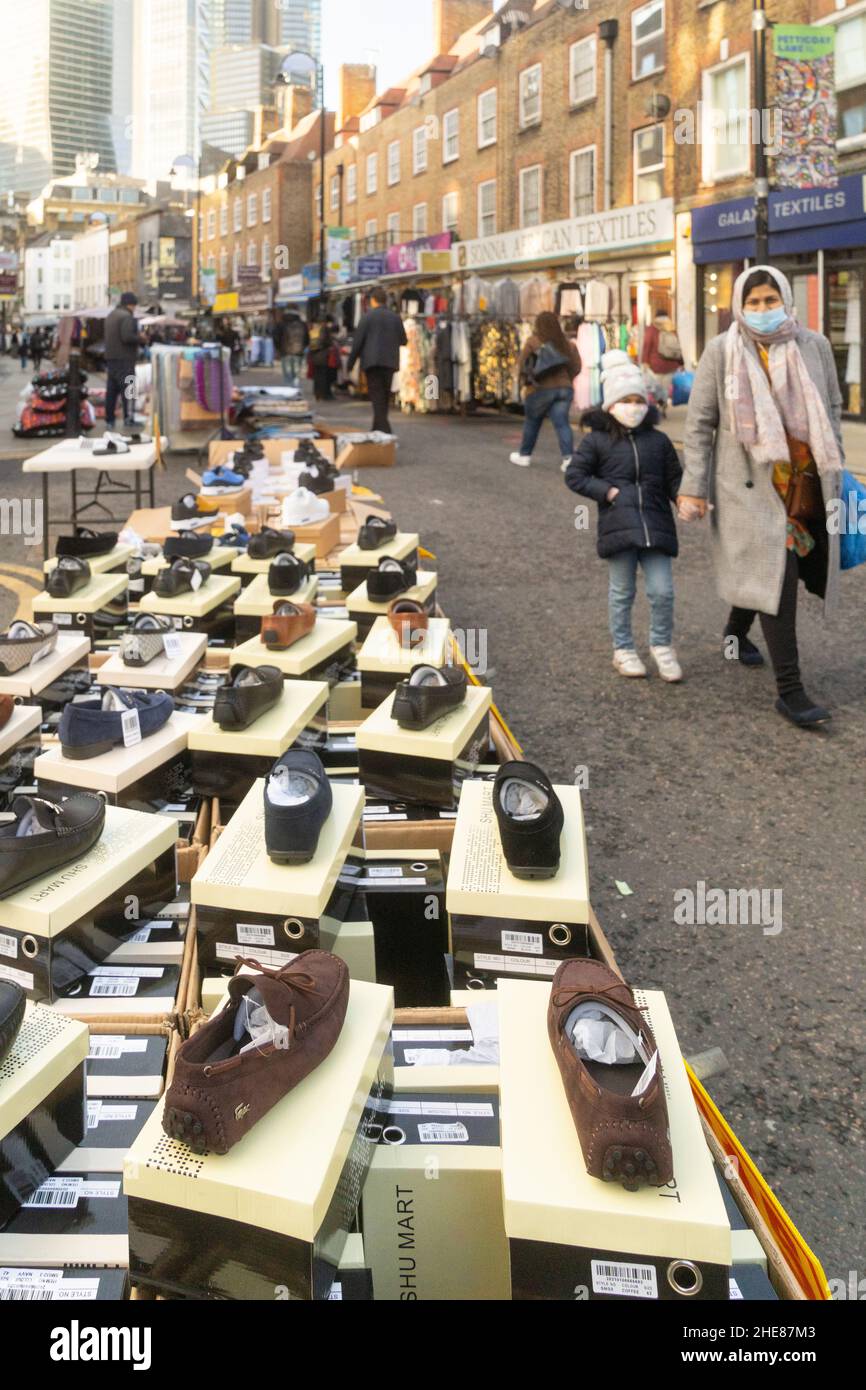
409	620
230	1073
288	623
7	705
618	1106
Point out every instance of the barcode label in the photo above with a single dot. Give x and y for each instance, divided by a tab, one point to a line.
62	619
143	934
530	942
384	871
56	1192
113	989
139	972
452	1109
250	934
34	1278
443	1134
8	945
226	951
111	1046
419	1035
131	728
517	965
173	645
18	977
100	1110
109	1190
629	1281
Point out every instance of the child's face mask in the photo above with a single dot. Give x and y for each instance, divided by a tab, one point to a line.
629	413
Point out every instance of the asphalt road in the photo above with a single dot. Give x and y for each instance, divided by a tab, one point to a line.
701	782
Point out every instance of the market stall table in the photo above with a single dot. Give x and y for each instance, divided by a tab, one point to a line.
67	456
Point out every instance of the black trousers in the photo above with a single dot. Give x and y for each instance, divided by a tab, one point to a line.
780	631
322	384
120	386
379	390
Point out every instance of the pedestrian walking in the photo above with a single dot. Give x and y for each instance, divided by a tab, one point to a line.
37	350
632	470
377	342
294	339
763	448
547	365
321	348
661	354
122	343
24	350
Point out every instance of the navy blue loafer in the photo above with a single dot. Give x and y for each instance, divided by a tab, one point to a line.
120	717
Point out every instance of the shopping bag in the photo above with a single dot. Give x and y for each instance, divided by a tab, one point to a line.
852	538
681	383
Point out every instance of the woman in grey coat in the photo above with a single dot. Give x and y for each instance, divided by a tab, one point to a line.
763	451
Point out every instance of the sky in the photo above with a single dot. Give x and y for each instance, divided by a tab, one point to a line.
395	35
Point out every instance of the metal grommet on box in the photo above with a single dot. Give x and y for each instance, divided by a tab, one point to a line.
103	795
294	928
188	621
81	619
685	1278
474	983
393	1134
29	947
559	934
419	867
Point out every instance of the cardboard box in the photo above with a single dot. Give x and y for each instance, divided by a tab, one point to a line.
368	456
42	1116
246	568
126	1064
226	764
568	1231
69	655
322	655
245	903
94	612
364	611
269	1219
504	925
257	602
112	562
355	563
71	1219
427	1042
137	777
209	609
442	1239
164	673
384	660
427	766
59	926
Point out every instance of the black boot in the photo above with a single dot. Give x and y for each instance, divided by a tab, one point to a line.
796	706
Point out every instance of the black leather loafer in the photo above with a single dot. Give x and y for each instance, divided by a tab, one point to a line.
86	543
12	1002
253	690
268	542
530	819
68	576
298	801
390	578
287	574
427	695
180	576
188	547
45	835
375	532
318	478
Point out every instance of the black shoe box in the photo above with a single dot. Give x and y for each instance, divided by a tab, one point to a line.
126	1065
749	1282
54	1284
405	898
74	1218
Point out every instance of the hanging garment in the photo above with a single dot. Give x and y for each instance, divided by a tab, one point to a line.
476	296
596	300
495	354
444	359
505	299
461	357
570	302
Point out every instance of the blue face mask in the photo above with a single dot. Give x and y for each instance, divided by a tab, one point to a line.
767	321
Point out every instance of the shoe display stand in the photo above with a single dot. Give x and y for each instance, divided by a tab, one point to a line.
247	568
384	660
327	649
95	611
324	534
425	766
20	742
275	1212
42	1117
460	1135
502	925
69	655
227	764
245	904
364	611
163	673
151	771
67	922
221	558
257	602
207	609
355	563
112	562
566	1229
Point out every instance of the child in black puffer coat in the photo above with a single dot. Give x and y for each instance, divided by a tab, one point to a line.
632	470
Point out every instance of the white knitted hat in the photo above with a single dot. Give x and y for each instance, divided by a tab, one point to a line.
620	377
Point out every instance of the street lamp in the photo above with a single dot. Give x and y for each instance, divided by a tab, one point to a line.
188	161
301	64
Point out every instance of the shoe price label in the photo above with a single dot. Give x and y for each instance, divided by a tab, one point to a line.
8	945
195	580
113	989
443	1134
528	942
18	977
62	619
56	1192
131	728
108	1190
173	645
627	1280
250	934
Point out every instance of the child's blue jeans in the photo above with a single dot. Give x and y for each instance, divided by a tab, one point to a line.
659	581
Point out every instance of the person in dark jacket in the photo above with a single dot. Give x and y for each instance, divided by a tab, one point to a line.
377	341
632	470
547	394
121	351
321	347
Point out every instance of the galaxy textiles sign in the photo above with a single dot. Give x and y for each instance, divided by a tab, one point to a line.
603	231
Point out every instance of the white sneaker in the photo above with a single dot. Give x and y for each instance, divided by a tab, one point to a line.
665	659
303	508
627	663
564	464
522	460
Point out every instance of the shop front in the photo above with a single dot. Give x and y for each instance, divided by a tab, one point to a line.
818	239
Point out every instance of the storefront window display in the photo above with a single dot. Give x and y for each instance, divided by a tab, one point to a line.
717	285
844	301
